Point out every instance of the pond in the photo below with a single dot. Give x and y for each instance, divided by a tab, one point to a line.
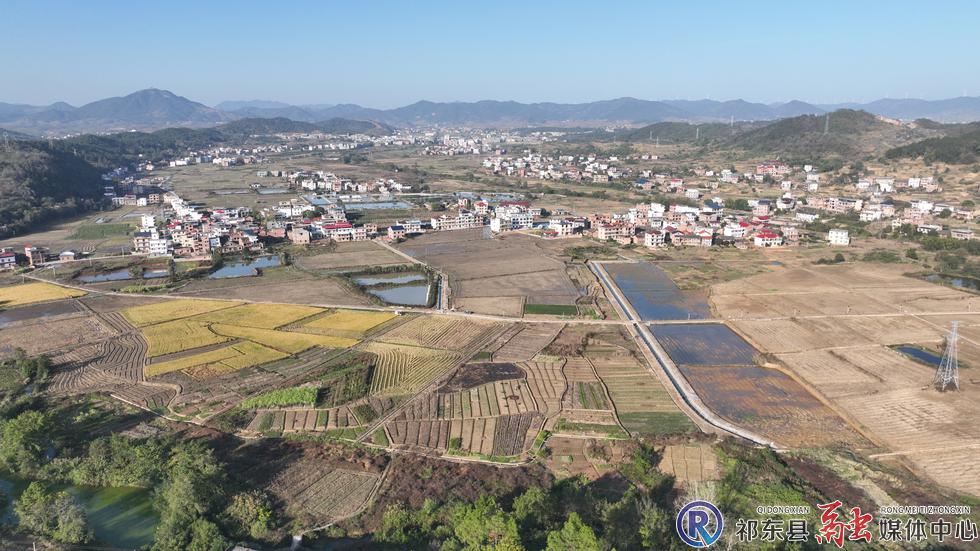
120	517
924	356
967	283
115	275
654	295
389	278
407	295
245	268
122	274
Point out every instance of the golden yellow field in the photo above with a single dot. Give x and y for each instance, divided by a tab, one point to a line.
357	321
141	316
266	316
27	293
283	340
229	358
177	336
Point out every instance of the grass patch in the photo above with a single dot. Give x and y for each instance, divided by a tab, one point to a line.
613	431
365	413
265	422
551	309
380	438
283	397
100	231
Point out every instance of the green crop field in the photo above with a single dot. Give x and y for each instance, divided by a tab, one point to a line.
283	397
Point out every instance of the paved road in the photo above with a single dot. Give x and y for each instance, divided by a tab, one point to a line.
648	344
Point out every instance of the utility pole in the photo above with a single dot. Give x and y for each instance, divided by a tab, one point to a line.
826	124
948	374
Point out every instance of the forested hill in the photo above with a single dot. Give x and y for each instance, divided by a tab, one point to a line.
113	150
842	133
39	182
961	145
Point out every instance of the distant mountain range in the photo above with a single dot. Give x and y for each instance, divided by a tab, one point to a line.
153	109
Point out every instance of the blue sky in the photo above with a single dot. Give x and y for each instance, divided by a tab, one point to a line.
386	54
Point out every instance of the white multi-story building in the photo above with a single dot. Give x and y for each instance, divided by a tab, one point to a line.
839	237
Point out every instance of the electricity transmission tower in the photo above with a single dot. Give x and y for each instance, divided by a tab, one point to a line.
948	374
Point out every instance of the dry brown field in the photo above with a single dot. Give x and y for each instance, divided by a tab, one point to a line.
844	356
355	254
527	343
690	463
514	267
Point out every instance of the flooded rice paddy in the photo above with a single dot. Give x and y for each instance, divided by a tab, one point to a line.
654	296
704	344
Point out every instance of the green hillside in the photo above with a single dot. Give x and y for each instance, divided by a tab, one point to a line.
39	182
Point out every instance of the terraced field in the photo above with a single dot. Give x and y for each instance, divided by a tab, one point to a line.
407	369
641	401
444	332
528	343
509	397
546	382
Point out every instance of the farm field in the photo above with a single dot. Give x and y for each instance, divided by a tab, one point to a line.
170	310
703	344
29	293
591	458
511	267
526	344
265	316
404	369
222	360
179	335
284	341
355	254
323	493
642	404
845	356
653	295
690	463
444	332
546	383
69	331
344	322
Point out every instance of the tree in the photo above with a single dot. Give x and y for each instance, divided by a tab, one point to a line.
24	441
205	536
838	258
573	536
251	513
54	515
910	253
484	525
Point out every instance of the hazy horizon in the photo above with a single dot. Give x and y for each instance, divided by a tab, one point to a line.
389	54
